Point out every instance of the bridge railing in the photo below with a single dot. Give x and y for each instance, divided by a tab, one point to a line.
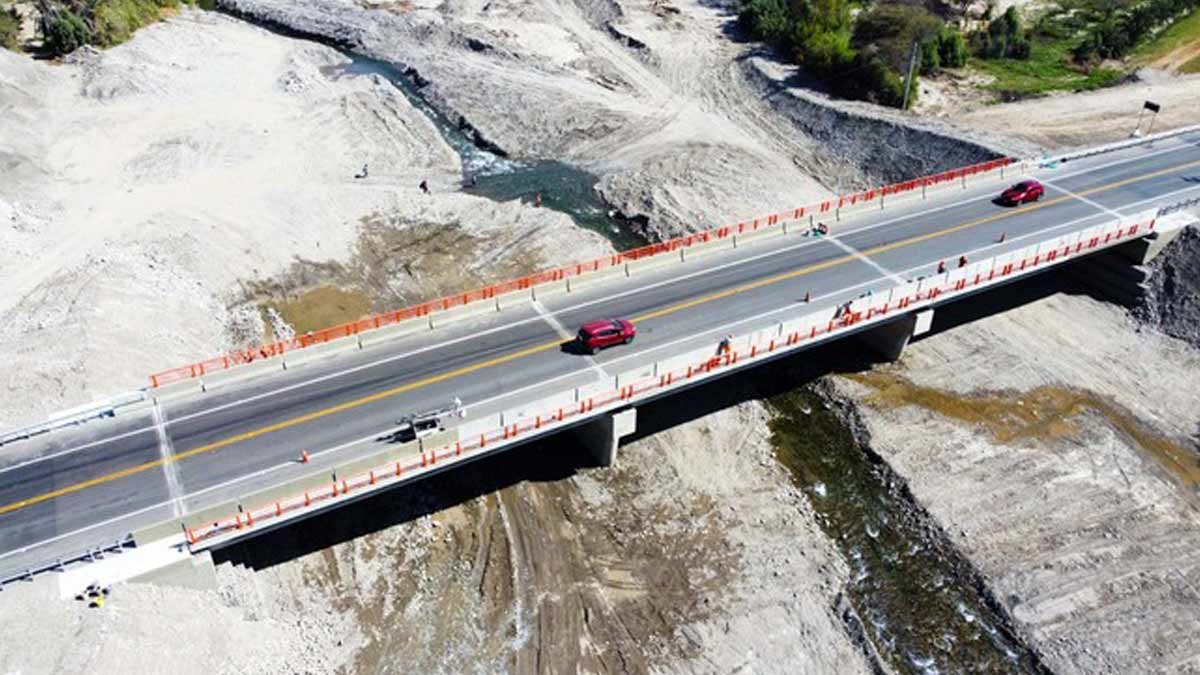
571	406
832	208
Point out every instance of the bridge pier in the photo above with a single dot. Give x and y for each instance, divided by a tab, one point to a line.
890	339
601	435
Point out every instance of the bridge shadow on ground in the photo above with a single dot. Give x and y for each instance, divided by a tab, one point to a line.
561	456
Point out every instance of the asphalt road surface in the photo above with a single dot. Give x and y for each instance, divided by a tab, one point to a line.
75	488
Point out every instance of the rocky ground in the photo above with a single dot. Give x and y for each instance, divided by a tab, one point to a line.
658	566
1067	475
1172	302
695	555
115	204
683	122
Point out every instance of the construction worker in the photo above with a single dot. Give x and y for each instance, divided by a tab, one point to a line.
726	345
941	267
962	261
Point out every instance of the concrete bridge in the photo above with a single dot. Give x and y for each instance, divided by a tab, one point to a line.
220	450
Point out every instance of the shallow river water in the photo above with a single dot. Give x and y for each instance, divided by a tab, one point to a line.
560	186
916	596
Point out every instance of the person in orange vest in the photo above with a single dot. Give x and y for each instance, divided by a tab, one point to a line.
725	345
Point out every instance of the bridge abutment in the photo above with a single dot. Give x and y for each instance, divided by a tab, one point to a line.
890	339
1145	249
601	435
1120	274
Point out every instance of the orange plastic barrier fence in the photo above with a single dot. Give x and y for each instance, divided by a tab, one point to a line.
396	470
251	354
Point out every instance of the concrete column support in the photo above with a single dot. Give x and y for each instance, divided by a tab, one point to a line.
601	435
890	339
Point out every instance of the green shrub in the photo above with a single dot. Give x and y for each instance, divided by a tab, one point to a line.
65	32
1115	32
874	80
10	29
116	20
827	54
952	48
931	59
861	58
890	31
768	20
1004	38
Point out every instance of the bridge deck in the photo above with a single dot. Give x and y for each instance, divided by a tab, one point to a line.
77	487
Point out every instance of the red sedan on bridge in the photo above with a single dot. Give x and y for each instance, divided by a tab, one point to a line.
596	335
1025	191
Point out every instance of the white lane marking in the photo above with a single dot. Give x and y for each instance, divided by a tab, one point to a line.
69	451
568	336
865	259
166	450
1085	200
844	291
110	521
788	249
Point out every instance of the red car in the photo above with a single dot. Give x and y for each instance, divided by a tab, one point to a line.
596	335
1025	191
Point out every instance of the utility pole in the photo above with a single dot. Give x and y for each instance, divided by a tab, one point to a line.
912	63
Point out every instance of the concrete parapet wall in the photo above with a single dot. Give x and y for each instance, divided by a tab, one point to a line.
479	308
250	370
513	299
393	332
320	351
177	390
592	278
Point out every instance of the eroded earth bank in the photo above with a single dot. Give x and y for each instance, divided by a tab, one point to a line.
1018	493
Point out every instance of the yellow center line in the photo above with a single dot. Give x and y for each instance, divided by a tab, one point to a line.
348	405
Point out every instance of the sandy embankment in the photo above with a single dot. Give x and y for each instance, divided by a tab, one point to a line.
151	179
142	184
1093	117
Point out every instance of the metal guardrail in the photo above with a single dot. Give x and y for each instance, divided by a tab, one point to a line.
74	416
1179	206
108	408
61	563
1117	145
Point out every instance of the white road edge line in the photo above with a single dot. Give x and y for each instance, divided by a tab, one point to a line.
416	352
336	448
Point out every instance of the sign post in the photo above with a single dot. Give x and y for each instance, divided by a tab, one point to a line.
1152	107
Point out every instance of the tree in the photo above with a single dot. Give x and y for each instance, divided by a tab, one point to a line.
65	31
891	30
952	48
1003	38
767	20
